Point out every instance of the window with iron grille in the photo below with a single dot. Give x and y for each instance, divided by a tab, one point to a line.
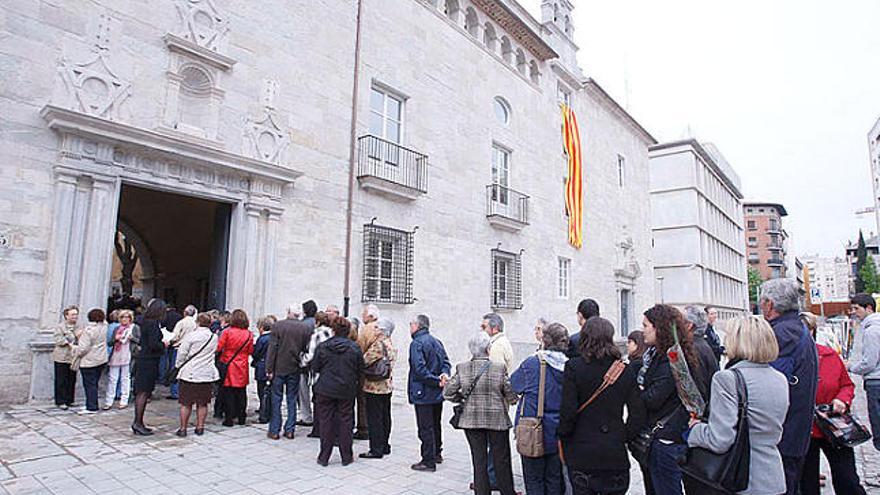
506	280
388	265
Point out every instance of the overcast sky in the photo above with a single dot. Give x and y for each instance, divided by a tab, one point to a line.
787	90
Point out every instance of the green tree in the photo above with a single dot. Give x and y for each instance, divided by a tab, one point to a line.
755	282
870	282
861	261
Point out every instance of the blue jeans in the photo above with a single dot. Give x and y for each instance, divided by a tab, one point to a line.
872	391
665	473
280	384
543	475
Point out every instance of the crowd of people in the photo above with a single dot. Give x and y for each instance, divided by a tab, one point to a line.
595	405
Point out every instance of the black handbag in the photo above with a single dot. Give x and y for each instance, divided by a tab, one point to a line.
379	369
223	368
640	446
727	472
458	409
842	430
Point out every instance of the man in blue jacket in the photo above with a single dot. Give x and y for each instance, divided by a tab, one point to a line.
428	372
799	363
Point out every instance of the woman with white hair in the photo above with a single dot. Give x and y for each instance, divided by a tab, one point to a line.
379	357
484	390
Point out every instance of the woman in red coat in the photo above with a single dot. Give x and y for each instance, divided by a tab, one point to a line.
835	388
236	344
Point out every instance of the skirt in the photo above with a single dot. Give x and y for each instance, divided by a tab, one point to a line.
191	393
145	375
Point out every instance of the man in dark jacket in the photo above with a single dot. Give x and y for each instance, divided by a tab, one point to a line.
339	364
288	342
304	407
696	319
800	364
586	309
711	335
428	372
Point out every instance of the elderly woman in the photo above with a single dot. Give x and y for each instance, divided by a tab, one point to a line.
64	338
379	357
91	351
543	475
235	346
197	373
540	325
697	322
484	389
752	345
119	364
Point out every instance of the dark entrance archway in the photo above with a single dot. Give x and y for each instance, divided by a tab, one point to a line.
172	246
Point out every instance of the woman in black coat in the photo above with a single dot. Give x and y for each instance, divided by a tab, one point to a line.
594	441
147	371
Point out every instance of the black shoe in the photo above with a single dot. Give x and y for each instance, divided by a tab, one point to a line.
438	459
170	397
323	463
313	434
387	450
228	423
262	421
347	462
421	466
241	421
180	433
370	455
300	422
200	431
361	436
140	430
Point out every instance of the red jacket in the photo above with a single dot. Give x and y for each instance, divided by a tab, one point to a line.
834	381
230	341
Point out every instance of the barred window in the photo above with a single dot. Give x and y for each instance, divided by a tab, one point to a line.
388	265
506	280
564	275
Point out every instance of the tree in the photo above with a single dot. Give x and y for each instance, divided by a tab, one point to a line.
861	260
868	277
755	282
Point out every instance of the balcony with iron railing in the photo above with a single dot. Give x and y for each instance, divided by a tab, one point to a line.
390	169
506	209
776	262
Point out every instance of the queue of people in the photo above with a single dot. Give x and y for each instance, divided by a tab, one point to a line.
597	407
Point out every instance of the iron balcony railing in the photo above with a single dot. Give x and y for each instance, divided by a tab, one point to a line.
505	202
390	161
776	261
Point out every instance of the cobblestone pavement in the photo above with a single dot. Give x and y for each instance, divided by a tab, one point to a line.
46	450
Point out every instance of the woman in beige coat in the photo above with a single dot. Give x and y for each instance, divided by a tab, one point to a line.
379	355
195	360
90	355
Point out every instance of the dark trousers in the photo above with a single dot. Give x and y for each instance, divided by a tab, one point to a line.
663	464
430	433
264	392
337	421
234	404
379	418
872	393
844	477
479	442
90	377
65	384
793	467
362	421
599	483
543	475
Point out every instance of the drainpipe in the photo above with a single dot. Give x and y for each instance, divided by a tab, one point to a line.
351	160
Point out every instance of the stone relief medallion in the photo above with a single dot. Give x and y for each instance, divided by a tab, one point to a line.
93	87
202	23
264	139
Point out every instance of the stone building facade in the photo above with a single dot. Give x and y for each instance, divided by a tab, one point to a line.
257	124
696	206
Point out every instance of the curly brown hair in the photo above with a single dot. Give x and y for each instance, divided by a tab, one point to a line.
665	319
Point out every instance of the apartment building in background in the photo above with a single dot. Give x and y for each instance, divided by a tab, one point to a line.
766	239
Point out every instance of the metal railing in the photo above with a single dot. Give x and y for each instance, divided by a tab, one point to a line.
505	202
776	261
390	161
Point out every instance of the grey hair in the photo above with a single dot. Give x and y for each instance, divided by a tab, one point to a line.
386	326
495	321
293	309
555	337
478	344
782	292
543	322
372	310
332	307
190	310
423	321
354	321
697	317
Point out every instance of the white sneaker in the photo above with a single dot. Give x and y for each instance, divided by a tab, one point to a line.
86	411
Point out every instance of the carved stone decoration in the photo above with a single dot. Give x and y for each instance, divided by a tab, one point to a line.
264	139
627	266
202	23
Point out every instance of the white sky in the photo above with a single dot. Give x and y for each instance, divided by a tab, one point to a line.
787	90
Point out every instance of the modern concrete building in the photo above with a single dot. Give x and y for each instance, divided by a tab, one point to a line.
828	277
874	154
696	217
256	154
766	239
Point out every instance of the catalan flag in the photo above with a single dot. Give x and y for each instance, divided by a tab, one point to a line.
573	185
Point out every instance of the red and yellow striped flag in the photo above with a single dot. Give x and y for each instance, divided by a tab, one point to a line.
573	184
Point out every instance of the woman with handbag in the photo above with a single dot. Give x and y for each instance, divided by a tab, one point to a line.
235	346
379	356
661	443
90	356
596	386
483	391
150	350
196	373
751	345
538	381
837	390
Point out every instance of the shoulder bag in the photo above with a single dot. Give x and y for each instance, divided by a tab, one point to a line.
379	369
172	375
842	430
458	409
727	472
223	368
611	376
529	432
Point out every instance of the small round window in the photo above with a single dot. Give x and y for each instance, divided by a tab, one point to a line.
502	110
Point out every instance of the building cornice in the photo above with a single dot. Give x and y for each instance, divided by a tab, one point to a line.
517	24
615	107
778	206
707	157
